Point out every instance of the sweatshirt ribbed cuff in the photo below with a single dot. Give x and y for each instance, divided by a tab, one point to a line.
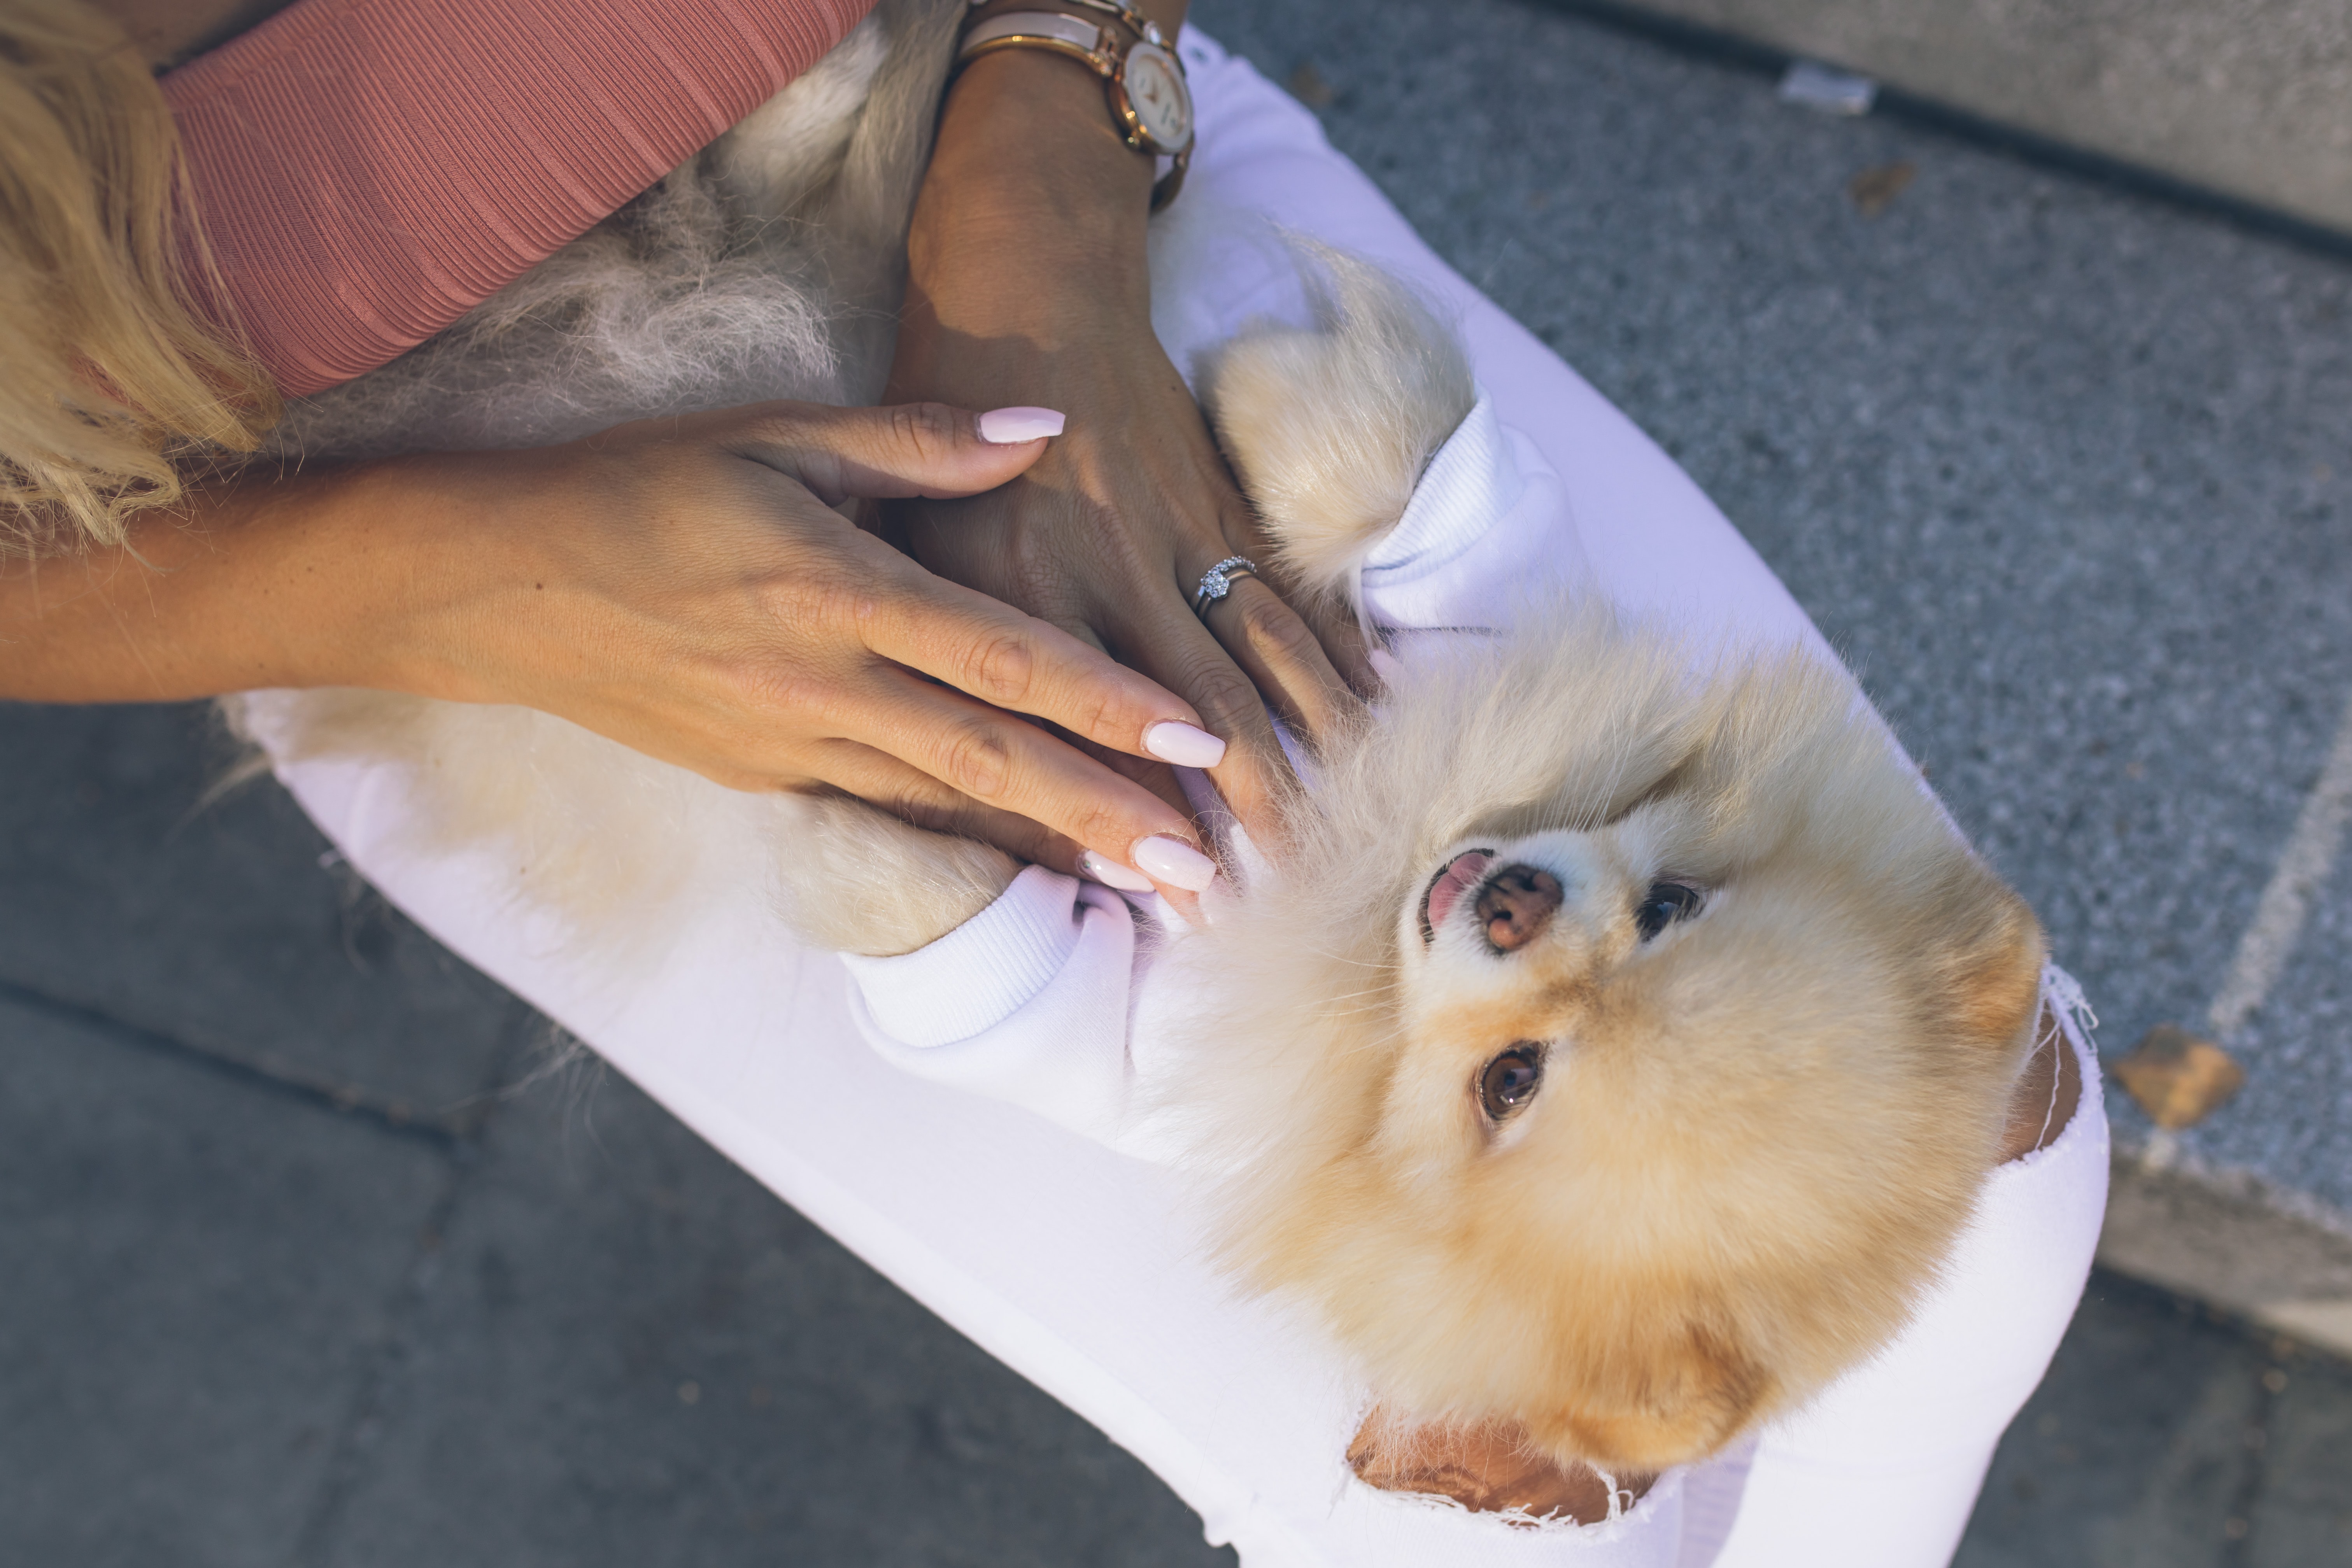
980	974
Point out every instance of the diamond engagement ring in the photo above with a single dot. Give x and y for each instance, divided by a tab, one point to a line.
1218	581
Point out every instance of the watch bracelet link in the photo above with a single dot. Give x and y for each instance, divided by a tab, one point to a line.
1134	21
1090	56
1093	45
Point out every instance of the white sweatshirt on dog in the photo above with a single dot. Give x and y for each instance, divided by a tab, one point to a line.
1046	999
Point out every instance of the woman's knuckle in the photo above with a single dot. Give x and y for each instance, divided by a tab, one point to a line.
1270	626
805	602
1098	825
757	688
1223	695
928	428
998	667
919	808
976	760
848	608
1037	567
1107	716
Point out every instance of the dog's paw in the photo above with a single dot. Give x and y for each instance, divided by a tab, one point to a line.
1329	429
856	880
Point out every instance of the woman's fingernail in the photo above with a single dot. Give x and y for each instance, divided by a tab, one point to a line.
1186	745
1173	861
1386	666
1010	427
1111	874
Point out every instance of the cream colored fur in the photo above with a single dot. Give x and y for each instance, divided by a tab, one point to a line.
1328	428
1756	1134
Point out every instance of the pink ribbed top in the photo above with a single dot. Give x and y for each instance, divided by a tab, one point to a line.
368	171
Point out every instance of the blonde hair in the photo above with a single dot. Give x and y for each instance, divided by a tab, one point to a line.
112	381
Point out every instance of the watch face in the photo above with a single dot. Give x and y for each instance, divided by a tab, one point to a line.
1162	105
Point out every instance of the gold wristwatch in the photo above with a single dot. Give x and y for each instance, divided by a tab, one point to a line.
1149	102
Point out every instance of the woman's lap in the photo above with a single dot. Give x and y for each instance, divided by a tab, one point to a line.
1068	1262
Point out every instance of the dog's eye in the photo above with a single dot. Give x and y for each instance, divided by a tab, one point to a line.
1510	1080
1665	903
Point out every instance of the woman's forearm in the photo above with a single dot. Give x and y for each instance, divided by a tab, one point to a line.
1032	185
297	580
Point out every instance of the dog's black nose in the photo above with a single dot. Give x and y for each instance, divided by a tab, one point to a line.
1516	904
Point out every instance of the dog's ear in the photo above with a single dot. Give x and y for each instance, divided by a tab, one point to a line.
1689	1391
1487	1467
1995	980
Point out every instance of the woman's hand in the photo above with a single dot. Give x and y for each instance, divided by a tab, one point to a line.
682	586
1028	271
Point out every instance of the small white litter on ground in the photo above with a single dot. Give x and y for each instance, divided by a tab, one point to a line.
1827	88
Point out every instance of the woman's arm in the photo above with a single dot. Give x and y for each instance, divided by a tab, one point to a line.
1028	272
683	586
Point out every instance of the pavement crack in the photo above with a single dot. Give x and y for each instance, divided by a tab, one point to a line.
2239	1527
374	1387
442	1130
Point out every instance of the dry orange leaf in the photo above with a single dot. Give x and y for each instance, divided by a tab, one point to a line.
1872	189
2178	1079
1307	86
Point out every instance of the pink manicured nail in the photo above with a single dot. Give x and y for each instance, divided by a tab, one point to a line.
1184	745
1386	666
1173	861
1111	874
1010	427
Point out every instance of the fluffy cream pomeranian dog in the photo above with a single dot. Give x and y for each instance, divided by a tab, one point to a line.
1623	1036
1620	1038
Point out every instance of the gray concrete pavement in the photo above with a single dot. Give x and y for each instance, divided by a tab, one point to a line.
296	1274
2251	98
2165	1440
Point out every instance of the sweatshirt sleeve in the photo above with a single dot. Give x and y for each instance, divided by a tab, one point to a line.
1027	1002
1489	522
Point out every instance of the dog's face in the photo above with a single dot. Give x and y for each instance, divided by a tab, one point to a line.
1511	948
1648	1106
1644	1056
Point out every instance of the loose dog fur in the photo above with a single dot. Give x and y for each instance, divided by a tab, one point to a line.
1619	1042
